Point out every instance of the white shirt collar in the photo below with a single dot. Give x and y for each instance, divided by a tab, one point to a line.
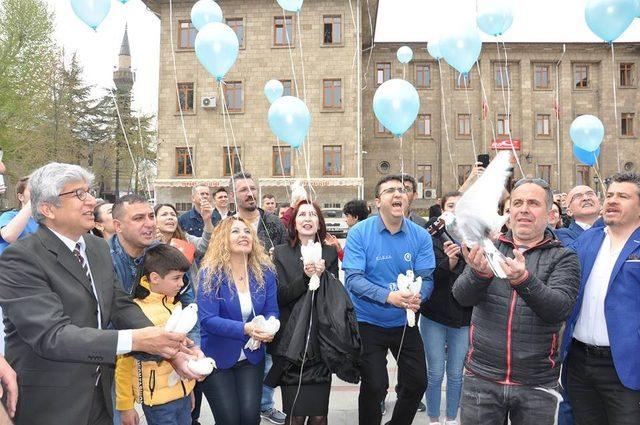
584	226
70	243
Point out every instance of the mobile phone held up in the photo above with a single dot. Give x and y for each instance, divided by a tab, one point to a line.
483	158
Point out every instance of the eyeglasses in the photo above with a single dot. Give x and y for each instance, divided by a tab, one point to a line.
81	193
540	182
392	190
581	196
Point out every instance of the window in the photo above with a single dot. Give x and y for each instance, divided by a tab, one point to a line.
381	130
281	161
332	160
626	74
627	124
287	88
542	125
237	25
463	173
424	176
332	94
186	35
185	97
231	161
183	206
183	162
464	125
384	167
331	30
233	96
502	75
541	77
423	127
582	175
544	172
581	75
504	124
282	36
383	72
462	81
423	75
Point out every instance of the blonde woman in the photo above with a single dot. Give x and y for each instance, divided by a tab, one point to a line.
236	283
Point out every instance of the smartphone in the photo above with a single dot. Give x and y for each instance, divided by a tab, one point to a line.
484	159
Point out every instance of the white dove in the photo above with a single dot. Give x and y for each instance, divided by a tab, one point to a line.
408	283
476	218
312	253
203	366
182	320
270	326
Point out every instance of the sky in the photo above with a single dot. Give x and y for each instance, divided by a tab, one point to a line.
398	20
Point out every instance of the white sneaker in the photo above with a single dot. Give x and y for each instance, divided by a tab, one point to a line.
453	422
434	423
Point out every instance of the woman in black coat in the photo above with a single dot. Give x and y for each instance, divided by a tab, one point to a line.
307	395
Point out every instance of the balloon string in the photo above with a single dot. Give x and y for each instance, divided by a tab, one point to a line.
615	105
293	68
401	157
283	174
305	149
596	167
486	102
175	77
446	126
225	117
466	94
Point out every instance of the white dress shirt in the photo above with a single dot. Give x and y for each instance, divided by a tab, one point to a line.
125	337
591	327
584	226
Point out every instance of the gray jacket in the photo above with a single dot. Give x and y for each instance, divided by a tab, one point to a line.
515	329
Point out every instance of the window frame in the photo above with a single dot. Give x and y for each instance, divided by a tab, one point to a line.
416	65
283	152
332	155
581	170
376	129
587	67
501	119
292	90
548	67
421	172
631	76
332	107
426	134
463	135
543	169
185	157
631	116
236	157
233	110
456	78
189	46
180	90
244	29
535	126
377	84
322	39
506	76
275	27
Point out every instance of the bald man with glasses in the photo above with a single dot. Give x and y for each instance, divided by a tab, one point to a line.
583	206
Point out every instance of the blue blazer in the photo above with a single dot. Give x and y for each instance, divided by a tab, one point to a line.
569	234
621	304
221	325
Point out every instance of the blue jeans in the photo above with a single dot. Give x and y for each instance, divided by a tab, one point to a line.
443	344
234	394
267	392
177	412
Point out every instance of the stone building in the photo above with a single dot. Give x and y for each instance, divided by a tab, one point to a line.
348	150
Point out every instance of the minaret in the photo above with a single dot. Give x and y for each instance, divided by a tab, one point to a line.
123	79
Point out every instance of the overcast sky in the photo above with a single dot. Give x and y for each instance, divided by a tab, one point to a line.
398	20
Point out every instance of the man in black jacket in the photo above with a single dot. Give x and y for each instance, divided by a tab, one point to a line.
513	362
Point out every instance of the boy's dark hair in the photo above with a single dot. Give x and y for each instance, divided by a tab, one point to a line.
357	208
161	259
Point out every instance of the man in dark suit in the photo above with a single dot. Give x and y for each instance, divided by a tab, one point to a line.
59	293
584	208
601	340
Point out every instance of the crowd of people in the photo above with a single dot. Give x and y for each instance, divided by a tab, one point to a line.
87	288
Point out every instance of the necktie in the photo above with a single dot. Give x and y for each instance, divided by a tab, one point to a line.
81	260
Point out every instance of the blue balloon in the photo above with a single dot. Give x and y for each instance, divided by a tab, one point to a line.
494	16
289	119
608	19
433	47
91	12
586	157
404	54
205	12
124	1
396	105
587	132
638	9
291	5
217	48
273	90
461	48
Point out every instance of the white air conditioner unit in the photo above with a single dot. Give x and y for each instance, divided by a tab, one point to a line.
420	191
208	102
430	194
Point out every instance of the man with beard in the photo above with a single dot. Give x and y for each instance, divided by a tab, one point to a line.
601	340
271	232
584	208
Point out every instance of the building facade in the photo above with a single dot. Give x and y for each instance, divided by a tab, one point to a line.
531	100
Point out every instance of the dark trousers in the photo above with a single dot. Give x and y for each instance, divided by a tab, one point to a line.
595	391
412	373
197	394
176	412
234	394
99	412
487	403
